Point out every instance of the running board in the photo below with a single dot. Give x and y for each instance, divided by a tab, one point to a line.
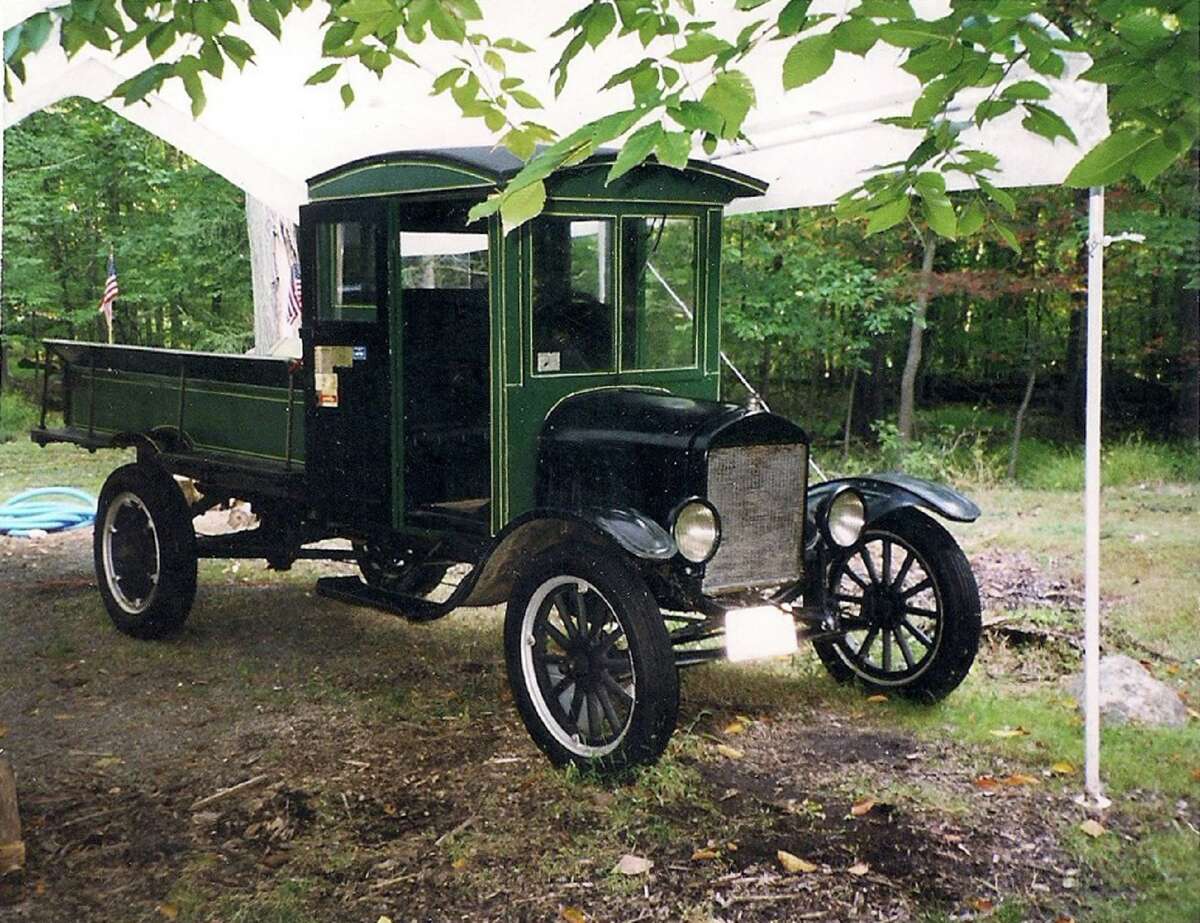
353	591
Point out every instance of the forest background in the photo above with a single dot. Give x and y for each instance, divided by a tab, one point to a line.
817	314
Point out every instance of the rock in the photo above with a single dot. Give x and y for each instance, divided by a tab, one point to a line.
1128	693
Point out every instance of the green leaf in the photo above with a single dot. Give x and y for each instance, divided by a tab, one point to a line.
1005	233
731	95
494	119
930	183
937	59
1153	159
1026	89
526	100
324	75
807	60
140	85
447	79
347	95
914	34
160	40
336	36
511	44
225	9
211	58
673	149
12	41
699	47
34	32
697	117
933	98
1000	196
239	51
266	16
885	9
518	207
993	109
856	36
599	24
939	213
635	150
972	218
1111	159
792	17
887	215
1048	124
365	10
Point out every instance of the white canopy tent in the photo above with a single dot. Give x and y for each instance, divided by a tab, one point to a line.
267	133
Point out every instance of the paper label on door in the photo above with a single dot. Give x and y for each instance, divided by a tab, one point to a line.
549	362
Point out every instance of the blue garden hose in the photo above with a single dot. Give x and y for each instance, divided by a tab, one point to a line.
30	510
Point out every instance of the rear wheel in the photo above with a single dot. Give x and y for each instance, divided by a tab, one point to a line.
397	571
590	661
144	549
910	606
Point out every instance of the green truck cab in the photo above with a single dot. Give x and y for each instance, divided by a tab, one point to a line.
540	414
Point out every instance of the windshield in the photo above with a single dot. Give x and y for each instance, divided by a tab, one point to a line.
658	298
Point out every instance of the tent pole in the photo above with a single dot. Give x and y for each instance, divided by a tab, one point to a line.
1093	794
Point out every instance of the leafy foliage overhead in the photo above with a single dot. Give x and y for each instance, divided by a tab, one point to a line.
691	87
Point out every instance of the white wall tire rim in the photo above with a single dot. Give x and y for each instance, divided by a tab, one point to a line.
529	676
133	605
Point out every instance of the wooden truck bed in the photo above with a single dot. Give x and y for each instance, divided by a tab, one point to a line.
239	417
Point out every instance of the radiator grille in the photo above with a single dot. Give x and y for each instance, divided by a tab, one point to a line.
758	492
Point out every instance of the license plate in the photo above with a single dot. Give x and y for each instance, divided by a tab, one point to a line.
759	632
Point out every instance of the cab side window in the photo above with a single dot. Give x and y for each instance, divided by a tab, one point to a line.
348	257
658	292
573	295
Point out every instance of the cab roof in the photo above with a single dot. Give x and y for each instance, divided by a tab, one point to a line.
462	170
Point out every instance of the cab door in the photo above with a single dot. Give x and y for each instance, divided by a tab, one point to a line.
347	362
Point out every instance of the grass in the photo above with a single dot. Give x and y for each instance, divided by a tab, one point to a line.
17	415
1146	865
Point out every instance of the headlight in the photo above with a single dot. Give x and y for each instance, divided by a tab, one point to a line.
845	517
696	531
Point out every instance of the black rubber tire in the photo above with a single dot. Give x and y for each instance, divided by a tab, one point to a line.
958	596
170	599
380	570
655	707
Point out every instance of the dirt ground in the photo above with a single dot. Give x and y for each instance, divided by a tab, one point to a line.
387	774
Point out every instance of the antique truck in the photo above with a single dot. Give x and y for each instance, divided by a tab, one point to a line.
543	406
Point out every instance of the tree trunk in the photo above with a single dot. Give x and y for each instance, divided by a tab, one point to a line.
1019	423
912	361
262	225
849	413
1187	409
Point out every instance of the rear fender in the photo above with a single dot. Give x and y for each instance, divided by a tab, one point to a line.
528	535
890	491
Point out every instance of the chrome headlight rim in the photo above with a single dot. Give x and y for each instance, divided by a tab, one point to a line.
674	519
827	525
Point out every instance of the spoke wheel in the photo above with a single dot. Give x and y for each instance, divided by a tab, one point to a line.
132	557
144	551
397	571
590	661
909	606
575	660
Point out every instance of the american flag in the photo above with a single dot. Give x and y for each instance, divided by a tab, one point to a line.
111	290
294	302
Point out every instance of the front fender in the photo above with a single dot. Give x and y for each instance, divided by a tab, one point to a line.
539	529
887	492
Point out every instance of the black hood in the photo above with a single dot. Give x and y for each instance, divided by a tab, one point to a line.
641	449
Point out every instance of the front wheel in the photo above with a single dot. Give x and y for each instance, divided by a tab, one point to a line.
910	607
590	661
144	550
